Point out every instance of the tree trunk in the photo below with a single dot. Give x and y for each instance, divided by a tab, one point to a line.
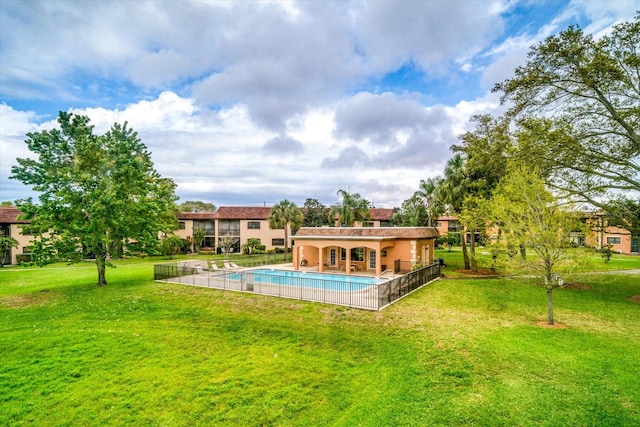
550	305
474	263
465	254
286	241
101	265
523	252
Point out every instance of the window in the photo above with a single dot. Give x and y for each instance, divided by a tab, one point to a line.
454	226
27	249
229	227
439	224
181	225
332	256
253	225
613	240
367	224
277	242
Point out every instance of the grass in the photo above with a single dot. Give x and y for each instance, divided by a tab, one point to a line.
458	352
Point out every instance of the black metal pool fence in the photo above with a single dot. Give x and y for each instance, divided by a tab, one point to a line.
373	297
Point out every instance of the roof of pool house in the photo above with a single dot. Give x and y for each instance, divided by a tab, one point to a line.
365	233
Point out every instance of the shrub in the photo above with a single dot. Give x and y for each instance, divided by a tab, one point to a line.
23	259
606	253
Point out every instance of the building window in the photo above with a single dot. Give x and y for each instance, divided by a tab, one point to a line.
253	225
613	240
383	253
372	259
181	225
229	227
277	242
454	226
439	224
27	249
367	224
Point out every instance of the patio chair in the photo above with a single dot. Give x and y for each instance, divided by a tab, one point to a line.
214	266
234	265
228	266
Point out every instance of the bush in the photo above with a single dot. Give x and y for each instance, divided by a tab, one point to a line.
207	252
23	258
606	253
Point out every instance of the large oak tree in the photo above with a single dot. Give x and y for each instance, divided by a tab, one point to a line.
97	193
577	102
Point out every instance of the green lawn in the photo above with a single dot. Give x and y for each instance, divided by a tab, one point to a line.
458	352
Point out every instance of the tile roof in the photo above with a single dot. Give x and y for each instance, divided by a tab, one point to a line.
380	214
367	232
239	212
9	215
195	215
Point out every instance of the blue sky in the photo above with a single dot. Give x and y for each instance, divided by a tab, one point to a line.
248	103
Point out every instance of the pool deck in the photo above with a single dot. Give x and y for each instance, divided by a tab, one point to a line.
366	273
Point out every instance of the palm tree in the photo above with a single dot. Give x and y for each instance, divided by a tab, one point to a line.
285	214
452	192
429	192
352	208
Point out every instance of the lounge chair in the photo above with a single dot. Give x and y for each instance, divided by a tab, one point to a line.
214	266
232	266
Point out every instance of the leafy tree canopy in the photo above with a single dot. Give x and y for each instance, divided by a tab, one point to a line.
577	102
530	215
97	192
352	208
315	213
196	206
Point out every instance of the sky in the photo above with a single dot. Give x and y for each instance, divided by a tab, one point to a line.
246	103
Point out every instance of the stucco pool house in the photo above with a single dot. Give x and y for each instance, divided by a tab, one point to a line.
366	249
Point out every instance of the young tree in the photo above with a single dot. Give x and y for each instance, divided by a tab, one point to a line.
530	215
352	208
199	232
96	191
285	214
253	244
171	245
587	93
6	243
227	242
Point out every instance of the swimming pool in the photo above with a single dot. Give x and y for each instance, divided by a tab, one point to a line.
325	281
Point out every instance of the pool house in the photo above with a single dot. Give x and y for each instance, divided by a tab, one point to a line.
368	250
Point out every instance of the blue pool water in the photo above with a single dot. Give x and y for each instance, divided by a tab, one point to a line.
334	282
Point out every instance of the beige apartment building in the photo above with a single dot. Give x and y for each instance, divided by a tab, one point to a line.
11	226
232	222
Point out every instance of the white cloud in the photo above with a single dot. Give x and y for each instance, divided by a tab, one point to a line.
248	102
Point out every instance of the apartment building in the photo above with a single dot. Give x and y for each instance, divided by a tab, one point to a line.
11	226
